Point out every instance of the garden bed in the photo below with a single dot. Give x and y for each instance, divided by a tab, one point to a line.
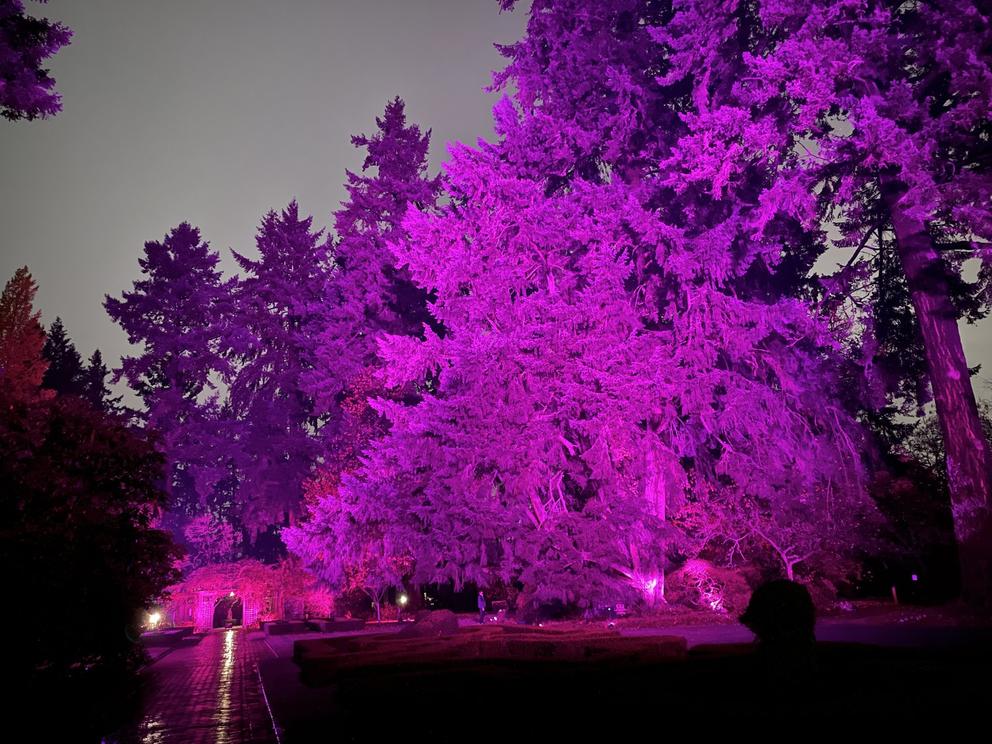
285	627
325	660
336	625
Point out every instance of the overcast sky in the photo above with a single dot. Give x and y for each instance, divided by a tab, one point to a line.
215	111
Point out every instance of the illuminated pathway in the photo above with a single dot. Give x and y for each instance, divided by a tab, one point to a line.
205	693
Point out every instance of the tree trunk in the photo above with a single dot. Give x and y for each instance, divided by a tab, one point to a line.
968	461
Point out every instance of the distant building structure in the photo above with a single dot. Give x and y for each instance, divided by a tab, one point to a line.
245	593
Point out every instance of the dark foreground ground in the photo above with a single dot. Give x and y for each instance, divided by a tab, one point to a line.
934	677
895	674
851	690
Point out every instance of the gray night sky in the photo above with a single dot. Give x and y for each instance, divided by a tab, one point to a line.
215	111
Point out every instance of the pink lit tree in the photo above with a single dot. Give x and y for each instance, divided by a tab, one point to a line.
873	117
609	330
589	359
764	122
343	553
368	294
210	540
818	533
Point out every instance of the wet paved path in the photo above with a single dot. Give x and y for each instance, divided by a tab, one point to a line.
206	693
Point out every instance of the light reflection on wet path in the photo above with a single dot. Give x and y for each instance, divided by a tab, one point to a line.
205	693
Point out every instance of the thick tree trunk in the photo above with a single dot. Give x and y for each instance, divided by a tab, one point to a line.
968	461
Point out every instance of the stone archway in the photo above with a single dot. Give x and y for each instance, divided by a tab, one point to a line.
228	612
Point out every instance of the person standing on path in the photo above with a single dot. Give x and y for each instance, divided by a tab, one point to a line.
482	607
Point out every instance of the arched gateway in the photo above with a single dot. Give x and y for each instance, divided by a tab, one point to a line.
243	594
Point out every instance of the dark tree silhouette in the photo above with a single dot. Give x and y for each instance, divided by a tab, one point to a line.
83	557
65	371
95	389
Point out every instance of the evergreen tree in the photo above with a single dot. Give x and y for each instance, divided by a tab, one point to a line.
270	344
77	534
26	88
176	313
873	116
22	365
95	388
594	358
367	294
65	367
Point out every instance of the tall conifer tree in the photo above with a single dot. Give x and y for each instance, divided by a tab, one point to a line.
22	364
599	365
270	342
65	367
368	294
874	116
95	388
175	312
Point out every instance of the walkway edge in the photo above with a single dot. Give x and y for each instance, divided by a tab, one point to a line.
276	729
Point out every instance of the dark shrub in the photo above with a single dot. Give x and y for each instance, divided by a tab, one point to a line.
540	612
781	613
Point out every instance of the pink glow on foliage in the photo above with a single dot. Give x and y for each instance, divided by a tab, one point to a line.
594	388
592	348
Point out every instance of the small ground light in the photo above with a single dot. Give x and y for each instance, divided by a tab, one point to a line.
402	599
